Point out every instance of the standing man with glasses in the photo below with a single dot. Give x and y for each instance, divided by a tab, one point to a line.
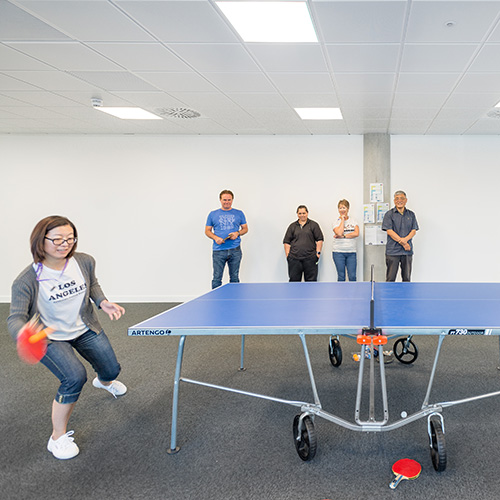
225	226
401	226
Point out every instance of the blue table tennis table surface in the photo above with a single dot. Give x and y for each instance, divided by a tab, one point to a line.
319	307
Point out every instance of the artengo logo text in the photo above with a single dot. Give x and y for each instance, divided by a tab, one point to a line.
149	333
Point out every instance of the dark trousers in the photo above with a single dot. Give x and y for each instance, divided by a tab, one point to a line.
307	267
393	262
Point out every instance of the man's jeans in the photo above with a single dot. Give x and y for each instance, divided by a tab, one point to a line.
62	361
233	259
345	260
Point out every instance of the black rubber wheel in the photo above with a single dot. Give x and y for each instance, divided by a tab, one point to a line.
306	442
405	351
335	352
438	445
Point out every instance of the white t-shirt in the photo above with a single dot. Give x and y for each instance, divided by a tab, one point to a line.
60	298
345	244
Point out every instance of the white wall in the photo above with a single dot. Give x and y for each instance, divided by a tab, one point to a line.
452	184
140	203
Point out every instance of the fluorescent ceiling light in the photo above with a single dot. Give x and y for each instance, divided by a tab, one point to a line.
270	21
497	105
319	113
129	113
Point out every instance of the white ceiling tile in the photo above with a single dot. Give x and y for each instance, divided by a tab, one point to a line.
13	60
485	126
488	59
182	82
428	82
458	100
40	98
312	100
410	127
16	24
419	100
350	21
240	82
365	99
11	101
113	80
365	113
447	127
204	101
210	57
363	58
9	83
205	126
256	100
68	56
413	113
50	80
471	114
87	21
436	58
427	21
291	57
479	82
141	56
326	127
302	82
367	82
180	21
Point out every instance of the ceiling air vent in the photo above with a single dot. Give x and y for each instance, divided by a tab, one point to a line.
494	113
178	112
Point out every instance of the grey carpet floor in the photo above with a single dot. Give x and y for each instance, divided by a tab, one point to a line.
238	447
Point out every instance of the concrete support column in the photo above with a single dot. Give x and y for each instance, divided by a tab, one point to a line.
376	168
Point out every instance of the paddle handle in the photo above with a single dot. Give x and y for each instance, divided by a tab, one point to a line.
39	336
396	481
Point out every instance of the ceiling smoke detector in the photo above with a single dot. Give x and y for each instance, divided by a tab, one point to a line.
178	113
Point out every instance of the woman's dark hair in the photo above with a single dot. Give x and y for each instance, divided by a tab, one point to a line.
37	239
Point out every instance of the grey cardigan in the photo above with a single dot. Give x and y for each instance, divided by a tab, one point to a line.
23	305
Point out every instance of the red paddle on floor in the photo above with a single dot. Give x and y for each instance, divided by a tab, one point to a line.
406	468
31	342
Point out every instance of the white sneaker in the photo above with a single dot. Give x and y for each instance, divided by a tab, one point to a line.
63	447
116	388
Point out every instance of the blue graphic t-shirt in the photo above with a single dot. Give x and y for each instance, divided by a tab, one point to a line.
224	222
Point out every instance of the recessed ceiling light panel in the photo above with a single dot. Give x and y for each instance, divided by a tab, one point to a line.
128	113
270	21
319	113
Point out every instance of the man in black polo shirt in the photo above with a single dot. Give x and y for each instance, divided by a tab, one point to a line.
401	226
303	242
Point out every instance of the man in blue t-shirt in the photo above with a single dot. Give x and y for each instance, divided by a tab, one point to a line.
225	226
401	226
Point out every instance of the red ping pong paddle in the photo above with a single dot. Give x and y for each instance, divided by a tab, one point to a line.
32	343
406	468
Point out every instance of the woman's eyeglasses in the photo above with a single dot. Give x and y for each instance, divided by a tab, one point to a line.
60	241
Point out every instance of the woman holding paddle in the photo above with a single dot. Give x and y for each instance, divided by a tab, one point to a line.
59	288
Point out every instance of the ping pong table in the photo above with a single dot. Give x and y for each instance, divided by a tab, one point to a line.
368	311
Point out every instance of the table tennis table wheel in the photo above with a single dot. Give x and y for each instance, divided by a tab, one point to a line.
335	352
437	444
305	438
405	351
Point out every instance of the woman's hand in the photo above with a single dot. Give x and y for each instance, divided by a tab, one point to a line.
114	311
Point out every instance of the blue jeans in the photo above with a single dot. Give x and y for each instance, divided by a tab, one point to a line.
62	361
345	260
233	259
